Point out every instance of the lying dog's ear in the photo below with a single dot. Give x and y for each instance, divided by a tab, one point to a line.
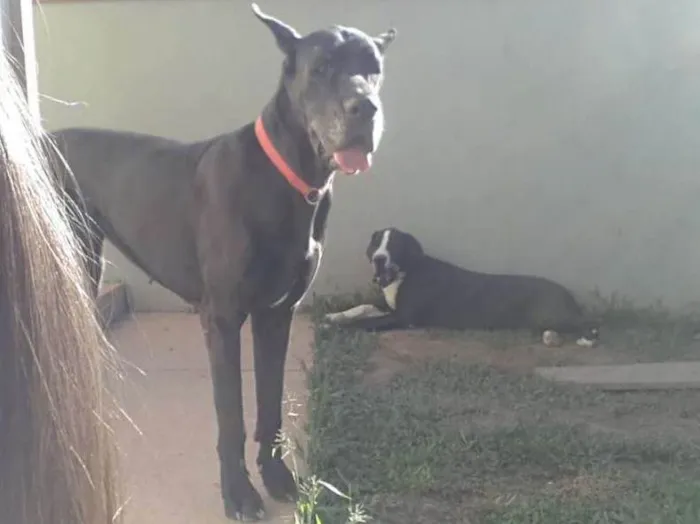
285	35
374	241
410	250
384	40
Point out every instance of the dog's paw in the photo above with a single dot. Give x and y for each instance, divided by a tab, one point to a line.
278	480
586	342
551	339
332	318
242	502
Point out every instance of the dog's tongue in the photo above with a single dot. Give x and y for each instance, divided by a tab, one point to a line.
352	161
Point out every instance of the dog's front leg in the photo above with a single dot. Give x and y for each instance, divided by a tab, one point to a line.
222	332
271	328
376	323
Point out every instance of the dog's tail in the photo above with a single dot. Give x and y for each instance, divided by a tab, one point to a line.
589	332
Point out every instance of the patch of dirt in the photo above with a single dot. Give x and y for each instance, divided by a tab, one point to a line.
656	414
586	485
403	509
512	352
468	509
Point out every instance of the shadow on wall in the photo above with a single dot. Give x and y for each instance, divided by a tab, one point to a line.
550	137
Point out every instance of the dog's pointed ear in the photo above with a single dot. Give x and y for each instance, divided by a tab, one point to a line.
285	35
384	40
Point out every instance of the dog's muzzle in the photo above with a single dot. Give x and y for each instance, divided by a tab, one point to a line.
363	127
384	273
355	156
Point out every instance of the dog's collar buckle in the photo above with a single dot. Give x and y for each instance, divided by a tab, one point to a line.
311	195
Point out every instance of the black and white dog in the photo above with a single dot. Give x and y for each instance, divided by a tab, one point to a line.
421	291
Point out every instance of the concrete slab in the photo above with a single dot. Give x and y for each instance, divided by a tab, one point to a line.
112	303
170	463
648	376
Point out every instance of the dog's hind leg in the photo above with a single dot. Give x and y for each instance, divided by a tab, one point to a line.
271	329
589	334
222	333
586	333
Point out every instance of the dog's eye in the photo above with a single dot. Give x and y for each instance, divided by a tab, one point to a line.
370	65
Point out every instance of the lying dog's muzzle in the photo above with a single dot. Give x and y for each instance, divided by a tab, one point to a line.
384	274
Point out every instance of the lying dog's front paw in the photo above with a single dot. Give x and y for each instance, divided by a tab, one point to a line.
332	318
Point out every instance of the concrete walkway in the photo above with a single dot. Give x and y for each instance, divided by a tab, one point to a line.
649	376
170	467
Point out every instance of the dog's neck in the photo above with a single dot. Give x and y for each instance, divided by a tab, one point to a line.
291	139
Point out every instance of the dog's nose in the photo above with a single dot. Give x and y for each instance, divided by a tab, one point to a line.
361	108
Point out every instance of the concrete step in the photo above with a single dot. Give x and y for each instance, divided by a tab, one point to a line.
112	303
656	375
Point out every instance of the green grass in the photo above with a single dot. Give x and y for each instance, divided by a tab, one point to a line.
651	331
659	500
445	441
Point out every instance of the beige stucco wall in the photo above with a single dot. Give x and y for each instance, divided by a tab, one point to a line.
555	137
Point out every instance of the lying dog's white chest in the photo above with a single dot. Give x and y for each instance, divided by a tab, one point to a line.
390	292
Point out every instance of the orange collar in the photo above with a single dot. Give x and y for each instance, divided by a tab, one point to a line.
311	194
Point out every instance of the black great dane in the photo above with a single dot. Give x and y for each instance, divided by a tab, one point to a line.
422	291
235	224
